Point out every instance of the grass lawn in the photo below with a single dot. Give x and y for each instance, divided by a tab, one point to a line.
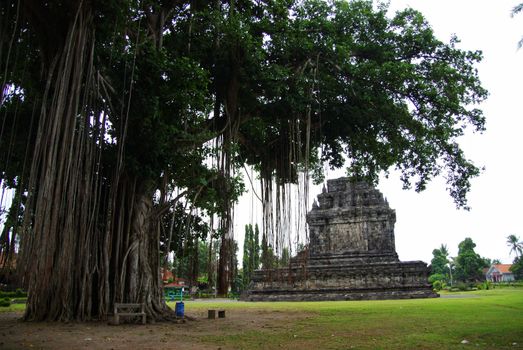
491	319
13	308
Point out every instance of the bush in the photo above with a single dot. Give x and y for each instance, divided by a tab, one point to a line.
486	285
513	284
437	286
5	302
205	295
232	295
438	281
437	277
17	294
462	286
7	295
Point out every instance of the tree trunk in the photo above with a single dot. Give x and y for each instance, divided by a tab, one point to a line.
139	272
58	255
87	241
223	268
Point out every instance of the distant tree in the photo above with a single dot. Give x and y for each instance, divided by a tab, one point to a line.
486	262
235	276
439	267
251	253
184	235
247	263
285	257
515	245
203	261
265	256
256	247
517	267
452	266
496	262
13	218
444	250
440	260
212	263
268	258
468	263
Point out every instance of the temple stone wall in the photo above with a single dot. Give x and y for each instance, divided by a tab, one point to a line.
351	217
351	254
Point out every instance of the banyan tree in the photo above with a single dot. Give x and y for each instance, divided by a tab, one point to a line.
112	112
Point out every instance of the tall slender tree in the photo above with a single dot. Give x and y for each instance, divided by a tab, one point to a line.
256	248
440	260
515	245
247	265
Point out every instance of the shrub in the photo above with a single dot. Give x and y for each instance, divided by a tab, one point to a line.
437	285
486	285
438	281
462	286
5	302
232	295
6	294
436	277
17	294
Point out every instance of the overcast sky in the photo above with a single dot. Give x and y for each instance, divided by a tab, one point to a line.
428	219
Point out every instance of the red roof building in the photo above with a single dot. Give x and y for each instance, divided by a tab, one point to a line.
500	273
166	275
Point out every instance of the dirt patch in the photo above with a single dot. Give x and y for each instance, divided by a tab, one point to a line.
15	334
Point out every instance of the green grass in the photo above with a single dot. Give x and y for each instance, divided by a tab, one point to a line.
13	308
491	319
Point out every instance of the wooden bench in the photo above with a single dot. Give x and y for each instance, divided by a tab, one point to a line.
129	310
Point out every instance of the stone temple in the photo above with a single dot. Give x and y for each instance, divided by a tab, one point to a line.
351	255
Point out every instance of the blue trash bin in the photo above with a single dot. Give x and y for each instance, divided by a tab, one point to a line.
179	309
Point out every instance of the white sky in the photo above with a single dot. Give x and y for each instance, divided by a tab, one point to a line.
428	219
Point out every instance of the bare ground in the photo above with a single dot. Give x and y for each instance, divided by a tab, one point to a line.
15	334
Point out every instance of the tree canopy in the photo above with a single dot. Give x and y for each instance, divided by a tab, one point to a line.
440	260
114	111
469	264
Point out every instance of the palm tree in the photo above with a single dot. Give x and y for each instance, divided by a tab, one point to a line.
444	250
451	264
515	10
515	245
445	254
